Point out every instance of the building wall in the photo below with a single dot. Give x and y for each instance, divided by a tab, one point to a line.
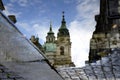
107	33
65	58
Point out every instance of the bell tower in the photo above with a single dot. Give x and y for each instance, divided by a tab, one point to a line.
63	45
50	46
50	35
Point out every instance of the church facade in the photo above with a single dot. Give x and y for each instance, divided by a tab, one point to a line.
58	51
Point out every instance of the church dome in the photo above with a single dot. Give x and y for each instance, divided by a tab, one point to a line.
50	47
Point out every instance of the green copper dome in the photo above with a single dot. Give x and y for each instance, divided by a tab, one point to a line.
50	47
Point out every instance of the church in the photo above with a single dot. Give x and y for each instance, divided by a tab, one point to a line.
57	51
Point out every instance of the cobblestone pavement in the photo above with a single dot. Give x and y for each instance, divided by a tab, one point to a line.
6	74
108	68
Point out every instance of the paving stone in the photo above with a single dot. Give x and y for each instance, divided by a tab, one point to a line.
6	74
1	71
3	75
20	79
96	72
6	79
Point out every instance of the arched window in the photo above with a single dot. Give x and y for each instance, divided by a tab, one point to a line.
61	50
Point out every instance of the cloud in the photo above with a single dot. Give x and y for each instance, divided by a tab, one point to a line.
24	26
81	30
9	10
87	8
41	30
23	3
80	38
13	1
68	1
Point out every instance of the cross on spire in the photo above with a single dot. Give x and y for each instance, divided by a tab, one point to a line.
63	19
50	26
63	14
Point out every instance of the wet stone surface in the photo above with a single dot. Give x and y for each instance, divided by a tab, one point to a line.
6	74
107	68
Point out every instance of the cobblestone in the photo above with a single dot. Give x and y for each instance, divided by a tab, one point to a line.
6	74
107	68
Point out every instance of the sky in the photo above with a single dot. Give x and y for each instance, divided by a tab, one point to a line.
34	16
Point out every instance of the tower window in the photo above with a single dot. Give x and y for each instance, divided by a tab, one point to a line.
61	50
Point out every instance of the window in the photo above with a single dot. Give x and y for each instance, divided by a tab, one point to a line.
61	50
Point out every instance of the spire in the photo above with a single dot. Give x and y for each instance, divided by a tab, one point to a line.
50	35
50	26
63	25
50	30
63	31
37	39
63	19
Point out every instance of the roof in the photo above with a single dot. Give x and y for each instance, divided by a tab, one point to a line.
19	55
